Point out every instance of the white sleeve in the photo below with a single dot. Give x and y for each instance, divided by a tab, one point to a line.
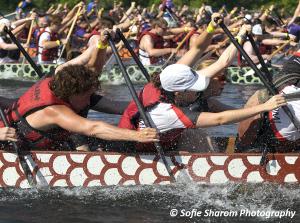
45	36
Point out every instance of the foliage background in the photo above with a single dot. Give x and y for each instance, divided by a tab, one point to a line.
288	5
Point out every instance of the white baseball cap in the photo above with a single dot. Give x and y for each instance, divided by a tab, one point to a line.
257	29
5	22
248	17
180	77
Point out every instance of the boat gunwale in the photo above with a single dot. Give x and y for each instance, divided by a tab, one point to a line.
169	153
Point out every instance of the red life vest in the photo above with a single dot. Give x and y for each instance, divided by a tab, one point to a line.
48	54
297	54
36	98
158	43
93	33
181	36
187	41
149	97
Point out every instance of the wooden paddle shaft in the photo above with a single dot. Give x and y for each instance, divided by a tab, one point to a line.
280	48
177	48
70	31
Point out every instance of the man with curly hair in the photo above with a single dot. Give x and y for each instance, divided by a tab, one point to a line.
48	113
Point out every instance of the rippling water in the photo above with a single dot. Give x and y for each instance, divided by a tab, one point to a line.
151	204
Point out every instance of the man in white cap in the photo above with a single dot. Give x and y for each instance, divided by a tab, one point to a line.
265	43
167	96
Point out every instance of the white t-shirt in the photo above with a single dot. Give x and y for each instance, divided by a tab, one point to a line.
281	125
167	117
44	37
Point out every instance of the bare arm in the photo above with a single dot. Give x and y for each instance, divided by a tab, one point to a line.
128	12
225	60
273	42
207	119
8	46
296	14
249	50
49	44
147	45
201	43
64	117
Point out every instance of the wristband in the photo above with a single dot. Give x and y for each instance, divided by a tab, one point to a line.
101	46
186	29
58	42
267	12
210	28
240	38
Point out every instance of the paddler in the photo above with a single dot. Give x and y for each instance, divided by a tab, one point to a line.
151	43
273	129
166	98
47	114
49	42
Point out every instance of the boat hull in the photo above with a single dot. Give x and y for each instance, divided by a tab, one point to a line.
90	169
112	75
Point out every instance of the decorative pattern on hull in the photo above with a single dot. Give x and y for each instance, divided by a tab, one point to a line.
70	169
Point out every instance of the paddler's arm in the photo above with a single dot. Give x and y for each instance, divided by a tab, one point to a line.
250	51
148	45
202	42
64	117
93	57
72	13
8	134
98	55
207	119
226	58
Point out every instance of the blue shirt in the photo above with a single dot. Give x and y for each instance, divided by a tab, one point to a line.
90	6
23	5
294	29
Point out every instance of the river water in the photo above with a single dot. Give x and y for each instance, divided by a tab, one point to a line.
152	204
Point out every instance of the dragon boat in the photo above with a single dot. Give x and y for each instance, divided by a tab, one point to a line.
112	75
90	169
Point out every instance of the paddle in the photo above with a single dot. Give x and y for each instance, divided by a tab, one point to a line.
177	49
251	72
28	39
10	14
133	54
259	56
21	48
70	32
141	109
173	16
21	158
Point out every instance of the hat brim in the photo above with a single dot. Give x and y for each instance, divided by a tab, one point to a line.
201	83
